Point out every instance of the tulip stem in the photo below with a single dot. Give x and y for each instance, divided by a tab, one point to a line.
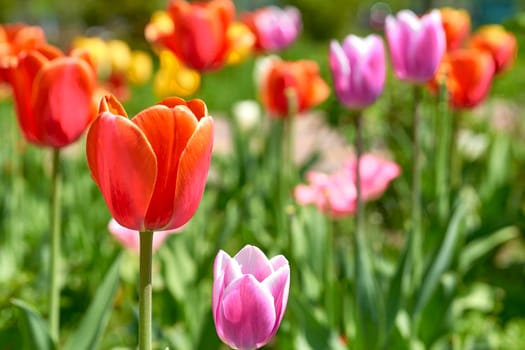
145	289
443	154
54	263
358	154
293	108
417	254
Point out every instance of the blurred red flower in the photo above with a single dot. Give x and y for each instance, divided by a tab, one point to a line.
54	95
15	39
197	33
456	23
468	75
302	77
501	45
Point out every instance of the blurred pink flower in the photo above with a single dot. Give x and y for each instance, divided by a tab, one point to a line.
335	194
274	28
250	294
130	238
358	70
417	45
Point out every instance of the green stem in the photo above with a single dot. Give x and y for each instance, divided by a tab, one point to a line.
145	289
293	109
443	154
358	154
416	239
54	268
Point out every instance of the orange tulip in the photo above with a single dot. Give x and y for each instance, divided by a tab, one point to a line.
500	43
468	74
53	96
302	77
456	23
151	169
14	39
197	33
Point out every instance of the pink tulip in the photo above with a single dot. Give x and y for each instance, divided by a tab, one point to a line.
358	70
335	194
274	28
250	294
417	45
130	238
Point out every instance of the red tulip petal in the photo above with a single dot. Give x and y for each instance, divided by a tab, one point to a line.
123	164
197	106
168	131
109	103
192	173
62	94
21	79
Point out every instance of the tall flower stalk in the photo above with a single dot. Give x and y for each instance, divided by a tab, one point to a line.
54	263
145	289
417	254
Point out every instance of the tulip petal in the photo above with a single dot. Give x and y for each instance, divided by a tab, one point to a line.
21	79
192	173
278	283
62	96
110	104
168	131
246	316
253	261
123	164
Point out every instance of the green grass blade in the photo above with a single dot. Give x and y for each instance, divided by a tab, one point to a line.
482	246
442	260
36	327
87	336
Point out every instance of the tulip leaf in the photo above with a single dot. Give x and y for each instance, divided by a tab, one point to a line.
87	336
395	289
442	260
368	305
35	326
481	246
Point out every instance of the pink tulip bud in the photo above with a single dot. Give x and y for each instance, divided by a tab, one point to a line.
250	293
274	28
417	45
358	70
130	238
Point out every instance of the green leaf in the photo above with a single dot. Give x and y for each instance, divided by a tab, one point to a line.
442	260
36	327
395	289
87	336
482	246
369	320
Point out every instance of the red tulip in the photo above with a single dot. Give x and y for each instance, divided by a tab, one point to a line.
53	96
198	32
500	43
151	169
15	39
456	23
300	76
468	74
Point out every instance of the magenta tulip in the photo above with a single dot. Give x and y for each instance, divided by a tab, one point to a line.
417	45
250	293
358	70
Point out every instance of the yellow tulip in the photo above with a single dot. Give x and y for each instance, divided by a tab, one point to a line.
242	42
119	55
173	78
140	67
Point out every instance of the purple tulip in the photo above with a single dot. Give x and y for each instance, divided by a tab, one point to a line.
250	294
358	70
417	45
